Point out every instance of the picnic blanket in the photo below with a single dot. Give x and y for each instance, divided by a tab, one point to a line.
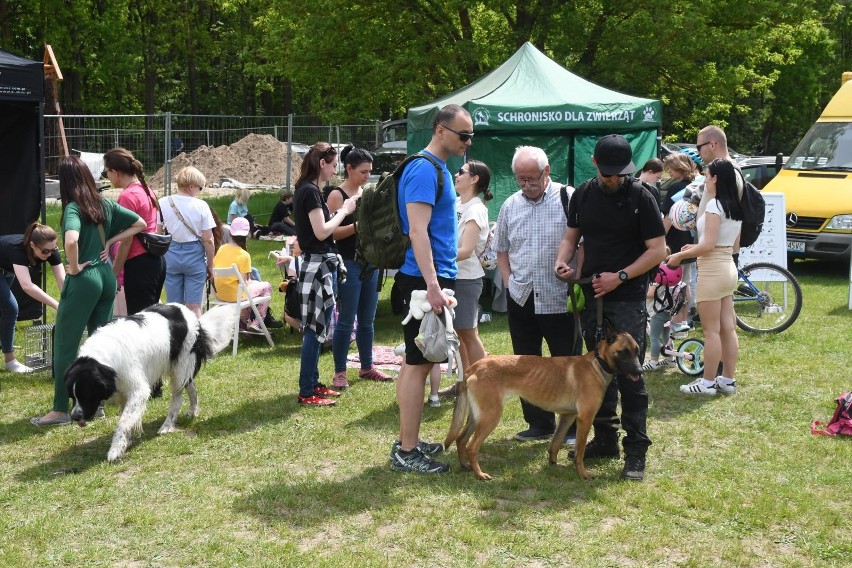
383	358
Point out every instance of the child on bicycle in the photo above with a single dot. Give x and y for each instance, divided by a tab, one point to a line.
665	296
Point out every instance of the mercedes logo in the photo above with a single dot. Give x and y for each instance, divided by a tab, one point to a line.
792	219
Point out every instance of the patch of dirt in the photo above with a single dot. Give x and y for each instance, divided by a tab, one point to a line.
256	160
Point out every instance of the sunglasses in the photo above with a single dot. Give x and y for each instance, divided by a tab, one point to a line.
463	136
50	251
698	146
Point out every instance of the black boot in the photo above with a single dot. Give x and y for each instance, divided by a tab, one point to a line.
601	447
270	322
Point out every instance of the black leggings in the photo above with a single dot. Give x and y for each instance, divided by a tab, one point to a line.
143	281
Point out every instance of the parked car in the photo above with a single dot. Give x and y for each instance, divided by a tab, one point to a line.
385	160
760	169
299	148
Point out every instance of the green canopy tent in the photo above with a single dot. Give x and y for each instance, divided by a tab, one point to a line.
532	100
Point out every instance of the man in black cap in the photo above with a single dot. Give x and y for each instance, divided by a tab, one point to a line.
622	239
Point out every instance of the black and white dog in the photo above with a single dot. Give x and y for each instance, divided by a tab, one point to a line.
127	358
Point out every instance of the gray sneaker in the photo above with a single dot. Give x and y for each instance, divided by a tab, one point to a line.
425	447
416	461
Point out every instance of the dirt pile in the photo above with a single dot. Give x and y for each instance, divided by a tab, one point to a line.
256	160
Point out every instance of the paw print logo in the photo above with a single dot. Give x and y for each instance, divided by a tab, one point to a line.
649	114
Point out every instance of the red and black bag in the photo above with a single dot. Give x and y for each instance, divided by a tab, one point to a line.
841	423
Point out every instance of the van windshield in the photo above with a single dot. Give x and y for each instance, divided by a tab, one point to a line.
826	146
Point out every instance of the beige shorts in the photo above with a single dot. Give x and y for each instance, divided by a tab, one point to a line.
717	275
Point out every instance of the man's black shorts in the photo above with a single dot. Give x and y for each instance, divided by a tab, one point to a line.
406	284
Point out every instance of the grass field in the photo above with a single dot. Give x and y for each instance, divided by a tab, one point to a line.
258	481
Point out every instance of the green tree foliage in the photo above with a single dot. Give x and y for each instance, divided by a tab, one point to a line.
762	69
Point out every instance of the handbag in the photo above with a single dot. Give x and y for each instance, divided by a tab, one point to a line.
155	244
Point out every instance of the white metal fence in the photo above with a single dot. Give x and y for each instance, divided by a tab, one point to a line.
153	139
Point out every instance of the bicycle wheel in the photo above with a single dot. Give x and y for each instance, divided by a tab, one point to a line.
769	301
692	363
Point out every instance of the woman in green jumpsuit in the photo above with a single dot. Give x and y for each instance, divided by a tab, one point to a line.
90	225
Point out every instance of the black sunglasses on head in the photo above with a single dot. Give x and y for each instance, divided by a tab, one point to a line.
463	136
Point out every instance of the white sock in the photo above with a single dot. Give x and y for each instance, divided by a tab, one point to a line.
706	383
17	367
726	380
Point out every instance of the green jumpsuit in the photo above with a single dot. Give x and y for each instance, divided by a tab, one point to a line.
87	298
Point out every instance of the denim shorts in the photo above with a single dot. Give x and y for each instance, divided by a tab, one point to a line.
186	272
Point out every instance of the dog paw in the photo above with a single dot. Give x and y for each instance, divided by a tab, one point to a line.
192	413
482	476
166	430
114	455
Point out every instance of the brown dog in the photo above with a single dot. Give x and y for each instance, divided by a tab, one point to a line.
572	387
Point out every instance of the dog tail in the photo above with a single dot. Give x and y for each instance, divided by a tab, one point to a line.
460	414
218	326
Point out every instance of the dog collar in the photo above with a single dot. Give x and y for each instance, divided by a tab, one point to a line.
603	365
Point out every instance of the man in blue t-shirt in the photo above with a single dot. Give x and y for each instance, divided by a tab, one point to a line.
429	219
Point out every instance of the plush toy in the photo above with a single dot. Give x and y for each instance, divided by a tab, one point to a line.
419	305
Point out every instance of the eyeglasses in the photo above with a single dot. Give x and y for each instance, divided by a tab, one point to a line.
50	251
698	146
529	181
463	136
462	171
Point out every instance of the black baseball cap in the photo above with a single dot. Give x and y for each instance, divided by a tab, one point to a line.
614	156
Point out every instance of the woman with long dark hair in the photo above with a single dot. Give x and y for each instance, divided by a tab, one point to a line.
90	226
718	234
315	227
356	297
144	273
18	254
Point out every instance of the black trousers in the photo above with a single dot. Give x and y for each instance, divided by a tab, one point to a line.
527	330
143	281
630	317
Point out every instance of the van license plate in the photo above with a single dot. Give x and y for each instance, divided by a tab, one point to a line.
795	246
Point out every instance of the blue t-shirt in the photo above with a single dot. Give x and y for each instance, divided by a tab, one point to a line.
237	210
419	184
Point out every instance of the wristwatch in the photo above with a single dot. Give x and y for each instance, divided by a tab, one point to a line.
623	276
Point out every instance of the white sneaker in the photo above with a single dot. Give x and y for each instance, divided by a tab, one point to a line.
680	330
16	367
650	365
697	387
399	350
434	401
726	388
666	362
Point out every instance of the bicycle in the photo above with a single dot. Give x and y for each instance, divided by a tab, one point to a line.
767	299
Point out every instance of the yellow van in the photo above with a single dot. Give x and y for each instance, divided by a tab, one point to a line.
817	183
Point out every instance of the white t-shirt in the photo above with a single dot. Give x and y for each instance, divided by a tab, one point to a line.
474	210
195	212
728	228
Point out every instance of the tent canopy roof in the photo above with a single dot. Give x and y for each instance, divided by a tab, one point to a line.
21	79
532	91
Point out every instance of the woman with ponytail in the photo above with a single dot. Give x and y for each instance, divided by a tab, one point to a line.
471	182
315	227
18	254
144	273
357	297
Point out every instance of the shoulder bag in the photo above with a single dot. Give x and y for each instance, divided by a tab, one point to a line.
154	243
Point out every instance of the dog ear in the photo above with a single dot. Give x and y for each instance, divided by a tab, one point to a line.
609	332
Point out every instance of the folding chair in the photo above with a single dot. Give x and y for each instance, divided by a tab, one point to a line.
244	300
